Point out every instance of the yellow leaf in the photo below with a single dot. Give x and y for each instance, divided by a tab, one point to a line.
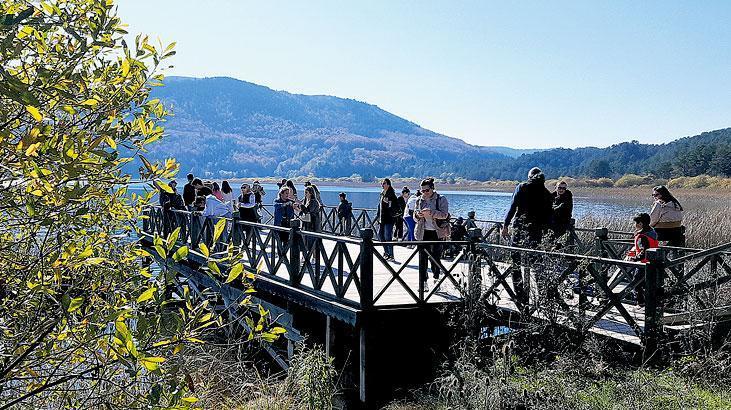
190	400
75	304
90	102
31	151
235	272
214	267
151	363
218	229
204	249
146	294
34	112
125	67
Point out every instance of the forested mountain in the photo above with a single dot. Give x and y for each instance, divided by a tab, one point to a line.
223	127
707	153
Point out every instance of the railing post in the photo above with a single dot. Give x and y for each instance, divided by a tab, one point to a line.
571	239
600	235
295	262
366	269
146	221
423	274
654	302
195	230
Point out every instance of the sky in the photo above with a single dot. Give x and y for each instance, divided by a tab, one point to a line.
523	74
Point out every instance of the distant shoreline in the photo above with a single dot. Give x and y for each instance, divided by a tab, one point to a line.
503	186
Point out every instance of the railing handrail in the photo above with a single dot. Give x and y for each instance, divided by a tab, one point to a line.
617	262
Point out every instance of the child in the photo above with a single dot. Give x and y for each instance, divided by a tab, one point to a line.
645	238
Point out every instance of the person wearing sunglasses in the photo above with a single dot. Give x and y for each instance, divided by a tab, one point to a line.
563	206
432	223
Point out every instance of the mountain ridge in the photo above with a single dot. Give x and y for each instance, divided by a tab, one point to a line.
224	127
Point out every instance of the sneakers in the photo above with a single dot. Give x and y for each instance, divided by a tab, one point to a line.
389	258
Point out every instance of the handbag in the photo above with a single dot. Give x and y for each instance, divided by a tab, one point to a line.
306	218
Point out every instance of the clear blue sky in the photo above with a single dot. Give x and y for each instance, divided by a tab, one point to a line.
519	74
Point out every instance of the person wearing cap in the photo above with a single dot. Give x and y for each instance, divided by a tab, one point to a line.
530	212
471	221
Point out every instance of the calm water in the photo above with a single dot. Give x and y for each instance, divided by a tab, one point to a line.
488	205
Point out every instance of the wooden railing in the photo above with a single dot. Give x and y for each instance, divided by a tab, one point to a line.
335	267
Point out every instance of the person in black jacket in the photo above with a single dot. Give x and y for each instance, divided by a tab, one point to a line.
345	214
530	211
189	191
563	205
387	210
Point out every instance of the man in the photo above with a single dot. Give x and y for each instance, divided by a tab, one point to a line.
563	205
189	191
471	221
345	214
432	223
530	210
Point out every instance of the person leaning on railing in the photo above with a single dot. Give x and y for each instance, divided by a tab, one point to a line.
666	217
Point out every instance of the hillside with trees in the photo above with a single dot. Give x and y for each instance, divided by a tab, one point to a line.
223	127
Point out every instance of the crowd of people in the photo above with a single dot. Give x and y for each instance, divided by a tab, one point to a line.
535	213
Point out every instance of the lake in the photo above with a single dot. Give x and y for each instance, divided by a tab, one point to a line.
488	205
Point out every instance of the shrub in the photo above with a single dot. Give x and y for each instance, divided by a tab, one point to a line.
629	180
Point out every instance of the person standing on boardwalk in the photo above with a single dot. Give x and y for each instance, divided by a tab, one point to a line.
563	206
432	223
408	214
387	209
530	211
259	194
317	192
345	214
189	191
283	212
310	211
228	195
666	217
398	228
292	189
645	238
246	203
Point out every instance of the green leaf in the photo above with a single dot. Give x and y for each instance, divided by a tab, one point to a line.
75	304
161	251
147	294
218	229
172	238
180	254
151	363
34	112
234	272
204	249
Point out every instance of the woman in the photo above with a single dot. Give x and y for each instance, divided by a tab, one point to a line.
283	212
387	211
666	217
310	211
409	214
247	204
432	223
217	191
292	190
228	195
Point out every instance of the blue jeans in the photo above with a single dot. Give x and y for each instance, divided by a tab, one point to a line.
385	231
410	225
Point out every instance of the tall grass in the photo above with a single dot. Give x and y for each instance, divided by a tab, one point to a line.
229	376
